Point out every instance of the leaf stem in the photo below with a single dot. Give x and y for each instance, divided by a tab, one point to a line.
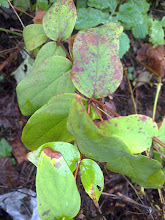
67	53
158	88
97	112
158	141
78	164
104	106
11	32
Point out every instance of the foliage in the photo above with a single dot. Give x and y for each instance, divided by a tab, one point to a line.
60	116
133	15
5	148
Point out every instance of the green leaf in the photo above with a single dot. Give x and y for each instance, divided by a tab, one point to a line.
48	50
92	178
91	141
34	36
57	193
97	70
22	4
124	44
156	33
144	171
140	30
48	123
90	17
127	12
4	3
5	148
103	4
44	4
49	78
81	4
136	131
60	20
163	21
140	5
69	152
94	144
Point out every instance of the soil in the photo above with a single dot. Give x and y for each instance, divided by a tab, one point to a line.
121	199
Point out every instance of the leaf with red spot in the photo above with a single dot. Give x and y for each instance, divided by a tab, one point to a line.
97	70
92	178
69	152
60	19
136	131
57	193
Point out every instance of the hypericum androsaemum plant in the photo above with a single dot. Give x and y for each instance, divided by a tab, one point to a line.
60	116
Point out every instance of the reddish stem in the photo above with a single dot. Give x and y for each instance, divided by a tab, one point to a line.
67	53
89	108
97	112
158	141
78	164
104	106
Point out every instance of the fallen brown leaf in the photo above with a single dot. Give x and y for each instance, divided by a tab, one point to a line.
39	16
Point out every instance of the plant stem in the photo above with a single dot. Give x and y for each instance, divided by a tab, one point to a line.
104	106
97	112
18	9
78	164
16	13
11	32
158	141
67	53
131	91
158	88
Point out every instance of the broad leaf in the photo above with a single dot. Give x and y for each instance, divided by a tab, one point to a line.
57	193
81	4
68	151
48	123
60	20
49	78
103	4
157	33
90	17
140	30
92	178
48	50
144	171
124	44
34	36
90	139
94	144
97	70
5	148
4	3
136	131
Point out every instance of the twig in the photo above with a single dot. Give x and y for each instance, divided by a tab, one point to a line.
67	53
158	141
125	198
2	66
18	9
78	164
16	13
89	108
105	106
11	32
131	91
104	112
147	67
97	112
158	149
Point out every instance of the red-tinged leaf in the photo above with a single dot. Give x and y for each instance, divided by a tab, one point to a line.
97	70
